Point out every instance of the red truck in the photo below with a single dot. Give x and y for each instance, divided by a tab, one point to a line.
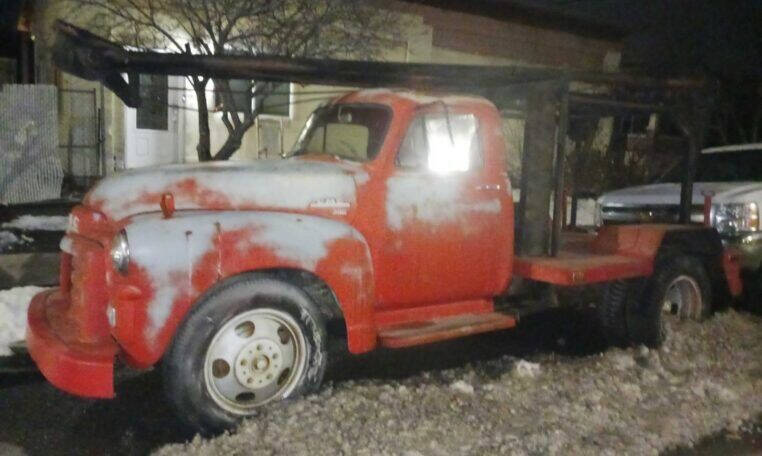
390	224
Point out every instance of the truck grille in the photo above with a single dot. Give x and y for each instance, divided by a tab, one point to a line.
83	276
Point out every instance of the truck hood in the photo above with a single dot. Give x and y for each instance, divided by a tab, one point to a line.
669	194
293	185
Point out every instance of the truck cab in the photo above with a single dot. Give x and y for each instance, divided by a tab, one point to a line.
386	203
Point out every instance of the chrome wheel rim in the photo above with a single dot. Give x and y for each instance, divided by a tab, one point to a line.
256	357
682	301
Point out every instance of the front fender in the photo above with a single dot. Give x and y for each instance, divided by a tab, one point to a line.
173	261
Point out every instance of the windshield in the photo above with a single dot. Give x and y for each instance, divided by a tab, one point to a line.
351	132
741	166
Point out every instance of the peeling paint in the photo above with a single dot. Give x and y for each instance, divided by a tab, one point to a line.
283	184
156	245
432	201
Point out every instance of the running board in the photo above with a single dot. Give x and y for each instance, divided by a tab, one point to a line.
425	332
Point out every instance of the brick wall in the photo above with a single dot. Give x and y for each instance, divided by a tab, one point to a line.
518	42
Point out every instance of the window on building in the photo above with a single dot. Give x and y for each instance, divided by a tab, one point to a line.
153	111
240	91
275	98
277	102
442	143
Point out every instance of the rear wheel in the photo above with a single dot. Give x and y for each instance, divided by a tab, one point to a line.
612	312
251	341
678	291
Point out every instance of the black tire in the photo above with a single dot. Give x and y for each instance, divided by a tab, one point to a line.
613	312
648	323
183	367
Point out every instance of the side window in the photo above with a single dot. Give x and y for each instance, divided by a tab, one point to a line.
277	102
413	152
442	143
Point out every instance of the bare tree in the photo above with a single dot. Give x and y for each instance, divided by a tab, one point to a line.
737	117
315	28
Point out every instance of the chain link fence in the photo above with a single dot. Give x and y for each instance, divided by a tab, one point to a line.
30	169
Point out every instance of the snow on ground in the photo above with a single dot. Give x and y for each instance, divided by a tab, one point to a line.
8	239
635	401
13	306
39	222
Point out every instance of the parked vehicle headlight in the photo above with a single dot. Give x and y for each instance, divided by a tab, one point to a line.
120	252
736	218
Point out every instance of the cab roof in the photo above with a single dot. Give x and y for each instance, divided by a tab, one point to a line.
394	96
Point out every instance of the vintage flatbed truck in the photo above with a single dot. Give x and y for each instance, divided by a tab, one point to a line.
390	224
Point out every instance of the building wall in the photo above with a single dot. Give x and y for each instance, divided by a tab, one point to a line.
432	35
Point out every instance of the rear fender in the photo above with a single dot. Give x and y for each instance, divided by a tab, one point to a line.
649	241
174	261
657	241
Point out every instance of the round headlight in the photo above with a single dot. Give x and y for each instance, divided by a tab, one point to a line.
120	252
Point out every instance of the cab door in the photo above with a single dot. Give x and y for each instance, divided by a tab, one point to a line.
445	215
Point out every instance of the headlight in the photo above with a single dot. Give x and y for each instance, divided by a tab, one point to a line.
736	218
120	252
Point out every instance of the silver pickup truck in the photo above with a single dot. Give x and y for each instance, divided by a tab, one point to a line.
732	175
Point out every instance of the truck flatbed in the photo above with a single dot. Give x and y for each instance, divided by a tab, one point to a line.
579	263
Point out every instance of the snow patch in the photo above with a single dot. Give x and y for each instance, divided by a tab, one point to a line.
39	222
169	249
9	239
431	199
526	369
13	306
462	387
422	98
287	184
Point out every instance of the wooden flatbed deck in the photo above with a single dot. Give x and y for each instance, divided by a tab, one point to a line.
578	263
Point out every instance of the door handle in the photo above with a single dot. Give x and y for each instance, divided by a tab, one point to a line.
488	187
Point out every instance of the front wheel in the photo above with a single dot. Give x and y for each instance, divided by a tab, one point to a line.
679	290
251	341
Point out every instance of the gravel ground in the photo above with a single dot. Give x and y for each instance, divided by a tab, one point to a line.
637	401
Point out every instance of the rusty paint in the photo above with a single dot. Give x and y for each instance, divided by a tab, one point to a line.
167	205
419	333
731	266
